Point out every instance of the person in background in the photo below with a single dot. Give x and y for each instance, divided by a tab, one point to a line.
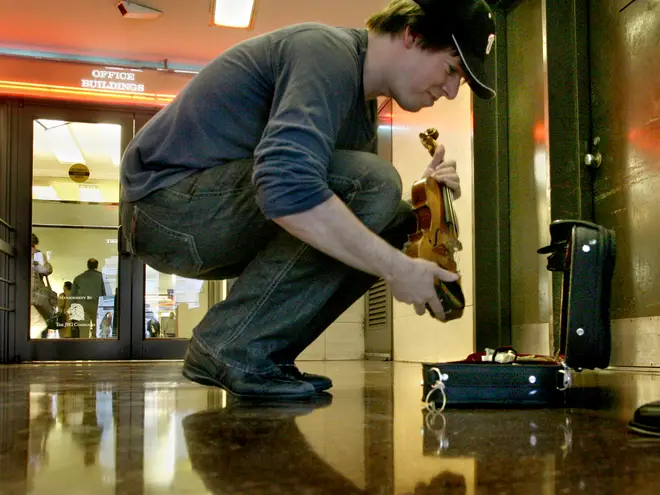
86	290
40	268
106	326
63	304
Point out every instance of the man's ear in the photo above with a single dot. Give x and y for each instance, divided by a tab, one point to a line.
409	38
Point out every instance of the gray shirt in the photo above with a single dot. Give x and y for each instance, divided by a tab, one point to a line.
288	99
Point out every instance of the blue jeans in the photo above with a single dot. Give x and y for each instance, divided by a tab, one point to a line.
208	226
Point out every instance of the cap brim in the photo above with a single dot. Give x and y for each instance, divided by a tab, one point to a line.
476	73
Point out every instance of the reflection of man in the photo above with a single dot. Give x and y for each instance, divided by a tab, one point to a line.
88	433
227	449
86	290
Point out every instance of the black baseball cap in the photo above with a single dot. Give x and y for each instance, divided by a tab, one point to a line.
472	27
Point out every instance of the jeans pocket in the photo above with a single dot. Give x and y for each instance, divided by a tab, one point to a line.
164	249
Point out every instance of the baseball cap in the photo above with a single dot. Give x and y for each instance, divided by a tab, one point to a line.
472	27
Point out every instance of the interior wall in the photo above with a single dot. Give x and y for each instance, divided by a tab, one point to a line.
342	340
528	178
422	338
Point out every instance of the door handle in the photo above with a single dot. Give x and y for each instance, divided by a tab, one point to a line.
593	160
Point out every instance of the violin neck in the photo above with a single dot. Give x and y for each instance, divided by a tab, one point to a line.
428	139
450	214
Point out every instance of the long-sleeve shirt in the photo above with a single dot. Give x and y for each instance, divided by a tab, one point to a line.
287	99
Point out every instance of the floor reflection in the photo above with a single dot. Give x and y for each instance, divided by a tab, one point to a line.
141	428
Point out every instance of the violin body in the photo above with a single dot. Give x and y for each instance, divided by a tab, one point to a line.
436	237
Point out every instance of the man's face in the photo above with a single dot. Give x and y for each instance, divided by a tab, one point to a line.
424	76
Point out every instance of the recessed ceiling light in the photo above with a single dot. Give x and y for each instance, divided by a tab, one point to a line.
232	13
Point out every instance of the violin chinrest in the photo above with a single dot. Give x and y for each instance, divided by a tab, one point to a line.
452	299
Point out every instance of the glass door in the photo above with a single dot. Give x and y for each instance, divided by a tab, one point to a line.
104	304
167	307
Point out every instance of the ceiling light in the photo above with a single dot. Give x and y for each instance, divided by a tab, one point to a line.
232	13
62	144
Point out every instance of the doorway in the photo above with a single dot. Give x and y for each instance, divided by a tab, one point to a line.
110	305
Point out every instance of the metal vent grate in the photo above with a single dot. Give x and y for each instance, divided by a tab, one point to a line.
378	322
377	305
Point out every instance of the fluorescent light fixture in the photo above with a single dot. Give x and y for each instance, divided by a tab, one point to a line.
63	145
232	13
111	141
45	193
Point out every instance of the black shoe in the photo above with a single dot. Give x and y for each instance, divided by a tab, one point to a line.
646	420
319	382
200	367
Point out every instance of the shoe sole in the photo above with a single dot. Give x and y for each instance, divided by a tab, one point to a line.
641	430
198	376
321	388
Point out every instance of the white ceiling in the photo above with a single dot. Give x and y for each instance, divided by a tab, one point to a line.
182	34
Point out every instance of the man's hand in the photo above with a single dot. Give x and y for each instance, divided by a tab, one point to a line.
444	171
414	283
335	230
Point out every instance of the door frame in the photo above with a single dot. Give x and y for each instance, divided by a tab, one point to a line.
131	342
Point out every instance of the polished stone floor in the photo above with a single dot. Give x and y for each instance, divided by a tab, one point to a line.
141	428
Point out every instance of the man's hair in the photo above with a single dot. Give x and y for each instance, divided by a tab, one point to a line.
35	240
92	264
68	284
400	14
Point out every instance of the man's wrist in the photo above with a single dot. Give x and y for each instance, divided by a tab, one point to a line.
396	266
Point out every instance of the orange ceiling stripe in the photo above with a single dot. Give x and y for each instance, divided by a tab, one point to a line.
20	88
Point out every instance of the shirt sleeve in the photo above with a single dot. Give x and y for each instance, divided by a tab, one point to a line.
39	264
317	76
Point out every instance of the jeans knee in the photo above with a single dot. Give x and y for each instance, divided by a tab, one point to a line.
382	187
380	176
370	185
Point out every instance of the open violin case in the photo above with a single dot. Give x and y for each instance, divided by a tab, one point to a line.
585	254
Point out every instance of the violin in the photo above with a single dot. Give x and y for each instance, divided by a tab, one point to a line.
436	237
